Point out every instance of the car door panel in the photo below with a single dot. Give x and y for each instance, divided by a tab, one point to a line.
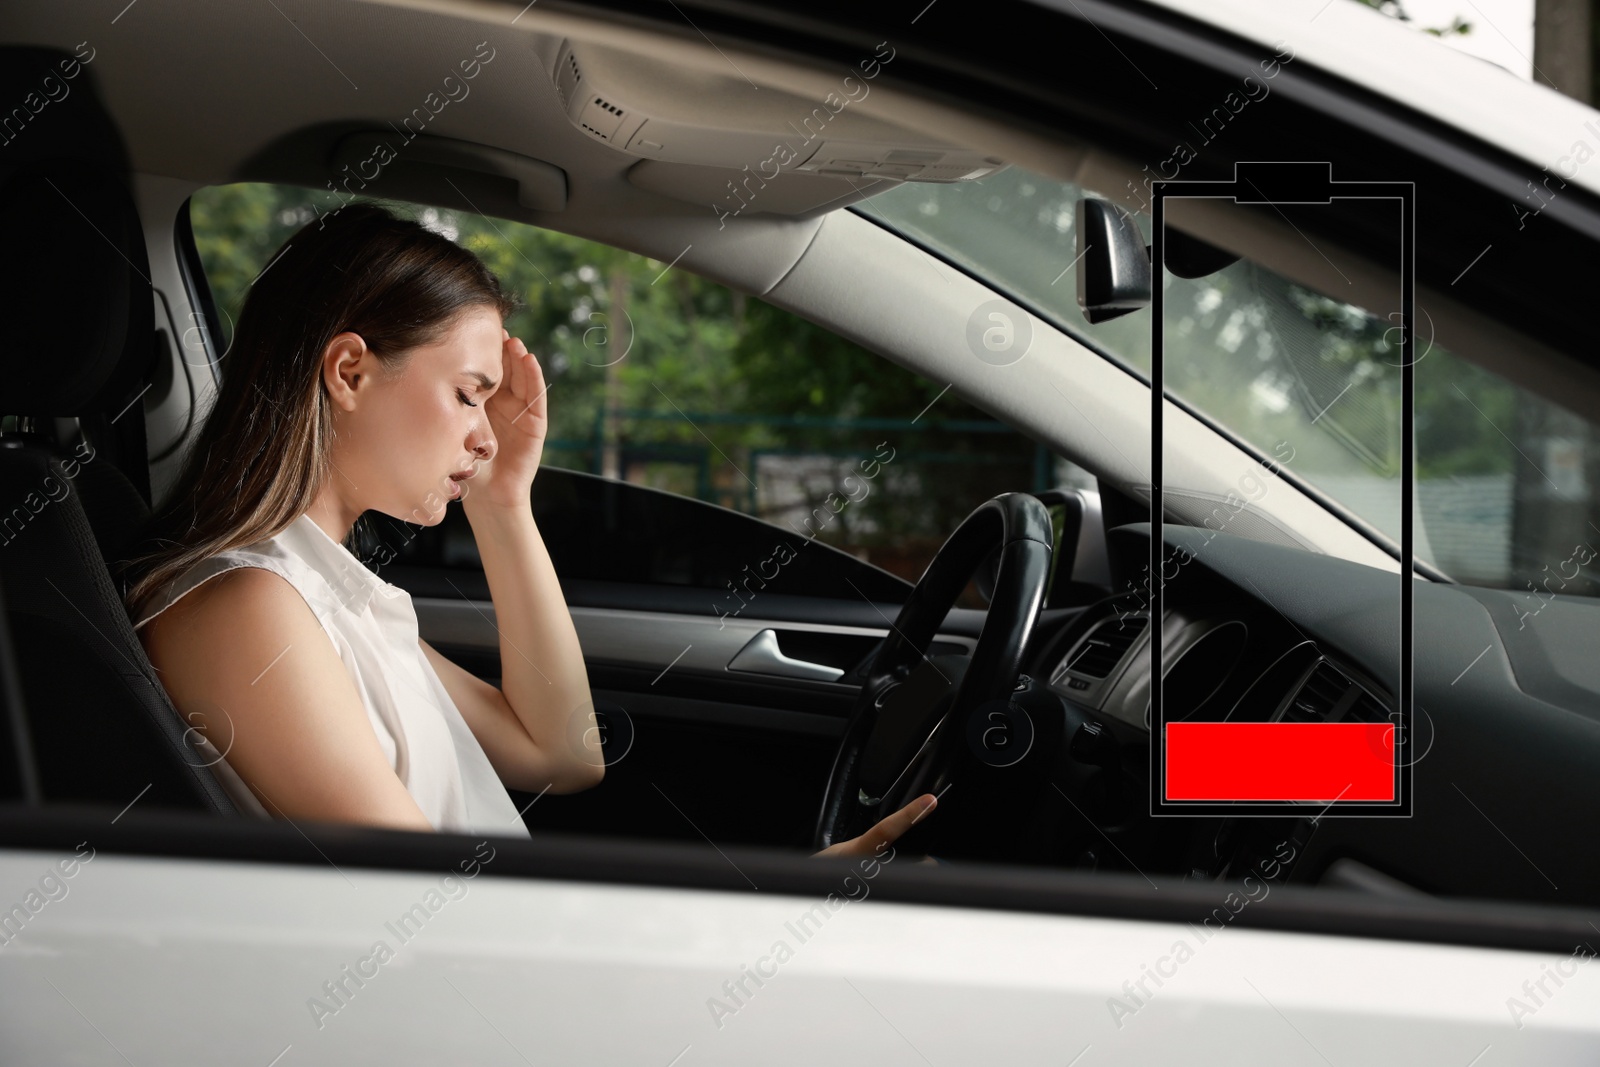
340	961
737	755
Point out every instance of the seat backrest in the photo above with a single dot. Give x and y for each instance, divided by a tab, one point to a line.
76	341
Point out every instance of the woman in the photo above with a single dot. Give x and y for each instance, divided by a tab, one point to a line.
371	371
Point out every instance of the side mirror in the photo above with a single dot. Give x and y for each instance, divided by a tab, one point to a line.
1114	263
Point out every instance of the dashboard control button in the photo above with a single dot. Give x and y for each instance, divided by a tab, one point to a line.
1094	744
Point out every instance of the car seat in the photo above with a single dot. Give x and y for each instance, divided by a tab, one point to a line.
95	725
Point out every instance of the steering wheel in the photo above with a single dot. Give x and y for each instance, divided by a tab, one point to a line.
897	739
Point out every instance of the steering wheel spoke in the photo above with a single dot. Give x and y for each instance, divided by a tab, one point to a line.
910	722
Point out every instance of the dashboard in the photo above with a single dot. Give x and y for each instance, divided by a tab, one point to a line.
1234	663
1505	740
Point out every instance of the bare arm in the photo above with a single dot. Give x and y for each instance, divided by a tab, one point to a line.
542	675
245	661
519	762
544	688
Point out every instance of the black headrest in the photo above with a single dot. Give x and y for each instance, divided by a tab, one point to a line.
74	274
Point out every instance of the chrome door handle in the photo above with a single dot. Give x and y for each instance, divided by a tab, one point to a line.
762	656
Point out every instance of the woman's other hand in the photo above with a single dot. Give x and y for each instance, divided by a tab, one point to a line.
519	415
885	832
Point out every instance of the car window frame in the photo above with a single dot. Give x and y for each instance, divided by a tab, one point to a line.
177	836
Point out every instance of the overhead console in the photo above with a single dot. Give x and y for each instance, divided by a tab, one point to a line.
721	140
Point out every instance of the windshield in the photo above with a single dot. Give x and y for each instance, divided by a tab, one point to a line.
1504	478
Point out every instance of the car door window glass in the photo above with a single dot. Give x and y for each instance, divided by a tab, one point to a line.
660	378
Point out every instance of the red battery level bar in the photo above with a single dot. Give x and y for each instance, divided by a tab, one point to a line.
1280	761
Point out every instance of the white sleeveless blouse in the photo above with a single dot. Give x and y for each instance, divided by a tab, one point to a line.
373	627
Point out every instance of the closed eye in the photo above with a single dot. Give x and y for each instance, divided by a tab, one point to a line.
460	393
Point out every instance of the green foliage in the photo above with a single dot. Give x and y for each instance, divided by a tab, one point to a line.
238	228
1460	410
696	376
678	340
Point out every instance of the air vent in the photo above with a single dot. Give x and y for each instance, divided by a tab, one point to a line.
1100	652
1367	708
1327	695
568	80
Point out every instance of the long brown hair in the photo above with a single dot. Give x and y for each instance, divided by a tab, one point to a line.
263	452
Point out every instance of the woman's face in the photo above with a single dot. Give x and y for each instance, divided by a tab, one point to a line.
398	436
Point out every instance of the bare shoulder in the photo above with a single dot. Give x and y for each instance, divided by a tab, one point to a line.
223	619
245	660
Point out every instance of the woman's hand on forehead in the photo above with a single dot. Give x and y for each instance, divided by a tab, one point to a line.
519	415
